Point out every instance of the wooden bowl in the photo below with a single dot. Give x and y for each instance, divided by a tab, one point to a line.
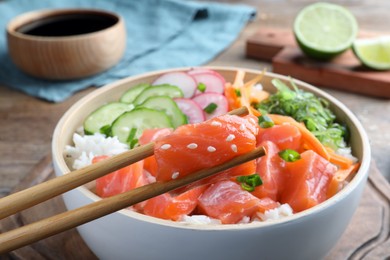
66	43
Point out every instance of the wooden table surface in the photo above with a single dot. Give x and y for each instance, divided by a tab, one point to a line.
27	123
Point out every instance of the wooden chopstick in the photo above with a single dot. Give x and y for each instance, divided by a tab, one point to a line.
49	189
34	195
47	227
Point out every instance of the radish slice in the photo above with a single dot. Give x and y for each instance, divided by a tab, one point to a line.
180	79
191	109
206	99
195	71
214	83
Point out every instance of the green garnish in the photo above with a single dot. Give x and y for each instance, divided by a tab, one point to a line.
265	121
106	130
201	87
249	182
238	92
131	140
133	143
289	155
210	108
305	107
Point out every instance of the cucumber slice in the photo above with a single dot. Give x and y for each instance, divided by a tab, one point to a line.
130	125
100	119
167	105
158	90
132	93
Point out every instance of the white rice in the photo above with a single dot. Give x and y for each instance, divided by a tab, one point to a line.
199	220
89	146
245	220
258	86
282	211
347	152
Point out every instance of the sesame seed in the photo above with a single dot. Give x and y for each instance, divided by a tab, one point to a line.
230	137
211	149
192	146
175	175
234	148
252	120
216	123
165	146
242	127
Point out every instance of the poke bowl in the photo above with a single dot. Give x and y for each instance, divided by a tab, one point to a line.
284	231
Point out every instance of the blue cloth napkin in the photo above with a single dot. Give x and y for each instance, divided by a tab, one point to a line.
161	34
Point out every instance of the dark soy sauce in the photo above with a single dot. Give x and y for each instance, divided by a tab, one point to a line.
68	24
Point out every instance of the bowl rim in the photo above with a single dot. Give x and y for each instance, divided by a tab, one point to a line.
360	176
32	16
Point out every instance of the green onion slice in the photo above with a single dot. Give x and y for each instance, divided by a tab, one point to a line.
289	155
201	87
250	182
265	121
238	92
133	143
131	140
210	108
106	130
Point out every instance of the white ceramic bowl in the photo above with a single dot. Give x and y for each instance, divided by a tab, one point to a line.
310	234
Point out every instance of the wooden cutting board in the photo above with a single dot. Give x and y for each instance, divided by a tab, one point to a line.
367	236
344	72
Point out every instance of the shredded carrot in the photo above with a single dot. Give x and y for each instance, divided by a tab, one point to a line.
248	94
254	112
340	177
255	80
239	79
233	100
258	95
342	161
247	90
346	174
309	139
245	94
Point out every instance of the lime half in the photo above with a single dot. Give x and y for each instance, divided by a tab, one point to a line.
324	30
374	53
